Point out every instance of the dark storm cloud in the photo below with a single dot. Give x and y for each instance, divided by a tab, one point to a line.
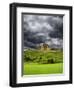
42	29
58	28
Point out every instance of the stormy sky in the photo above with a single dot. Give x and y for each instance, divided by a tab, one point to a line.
39	29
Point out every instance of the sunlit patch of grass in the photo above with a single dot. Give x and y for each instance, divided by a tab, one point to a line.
32	68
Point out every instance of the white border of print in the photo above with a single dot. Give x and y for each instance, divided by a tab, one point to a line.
49	77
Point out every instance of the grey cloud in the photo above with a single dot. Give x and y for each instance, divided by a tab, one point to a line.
43	29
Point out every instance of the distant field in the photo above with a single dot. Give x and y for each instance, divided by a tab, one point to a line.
32	68
42	62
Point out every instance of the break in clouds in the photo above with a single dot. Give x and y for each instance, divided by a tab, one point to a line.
39	29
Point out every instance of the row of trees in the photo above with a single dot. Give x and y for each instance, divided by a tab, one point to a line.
43	58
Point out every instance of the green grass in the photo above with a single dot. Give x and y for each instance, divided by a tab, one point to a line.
42	62
33	68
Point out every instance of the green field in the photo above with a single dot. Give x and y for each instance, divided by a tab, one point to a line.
42	62
32	68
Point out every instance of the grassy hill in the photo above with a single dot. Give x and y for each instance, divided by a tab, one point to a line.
42	62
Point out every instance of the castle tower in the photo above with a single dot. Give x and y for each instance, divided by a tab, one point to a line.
44	47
